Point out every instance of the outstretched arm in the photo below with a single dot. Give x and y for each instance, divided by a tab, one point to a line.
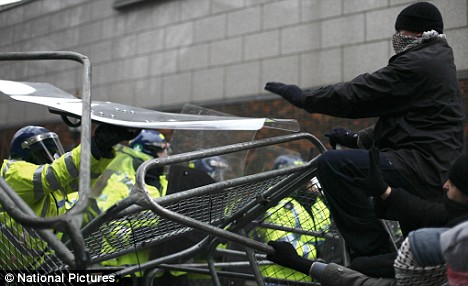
327	274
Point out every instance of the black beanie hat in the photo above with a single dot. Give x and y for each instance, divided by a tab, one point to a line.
458	174
420	17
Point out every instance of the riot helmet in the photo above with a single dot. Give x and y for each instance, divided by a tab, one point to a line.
35	144
284	161
151	142
214	166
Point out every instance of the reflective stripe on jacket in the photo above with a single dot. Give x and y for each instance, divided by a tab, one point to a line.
114	185
289	213
45	189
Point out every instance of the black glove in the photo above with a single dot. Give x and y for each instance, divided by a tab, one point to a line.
342	136
106	136
374	185
291	93
285	255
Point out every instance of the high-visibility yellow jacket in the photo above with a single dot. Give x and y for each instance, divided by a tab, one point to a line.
289	213
321	217
114	185
45	188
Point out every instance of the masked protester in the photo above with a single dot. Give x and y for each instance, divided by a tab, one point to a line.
419	130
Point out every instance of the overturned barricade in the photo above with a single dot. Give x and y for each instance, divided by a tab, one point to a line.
216	229
202	218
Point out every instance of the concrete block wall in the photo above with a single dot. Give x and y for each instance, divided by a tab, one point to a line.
164	53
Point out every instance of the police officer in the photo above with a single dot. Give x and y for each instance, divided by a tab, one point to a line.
302	210
116	183
44	175
119	177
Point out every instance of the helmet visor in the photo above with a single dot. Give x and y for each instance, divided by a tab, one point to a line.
159	150
44	148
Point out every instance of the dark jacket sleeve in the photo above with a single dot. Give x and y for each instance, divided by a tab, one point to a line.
337	275
385	91
421	77
411	210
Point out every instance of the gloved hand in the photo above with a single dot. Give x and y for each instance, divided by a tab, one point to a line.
107	135
343	136
285	255
374	185
291	93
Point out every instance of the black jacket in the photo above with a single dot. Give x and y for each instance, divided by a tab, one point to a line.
418	102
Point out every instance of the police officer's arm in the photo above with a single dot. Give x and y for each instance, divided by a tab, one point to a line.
67	167
33	182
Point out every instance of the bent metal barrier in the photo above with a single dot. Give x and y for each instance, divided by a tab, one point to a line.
138	222
219	211
35	231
